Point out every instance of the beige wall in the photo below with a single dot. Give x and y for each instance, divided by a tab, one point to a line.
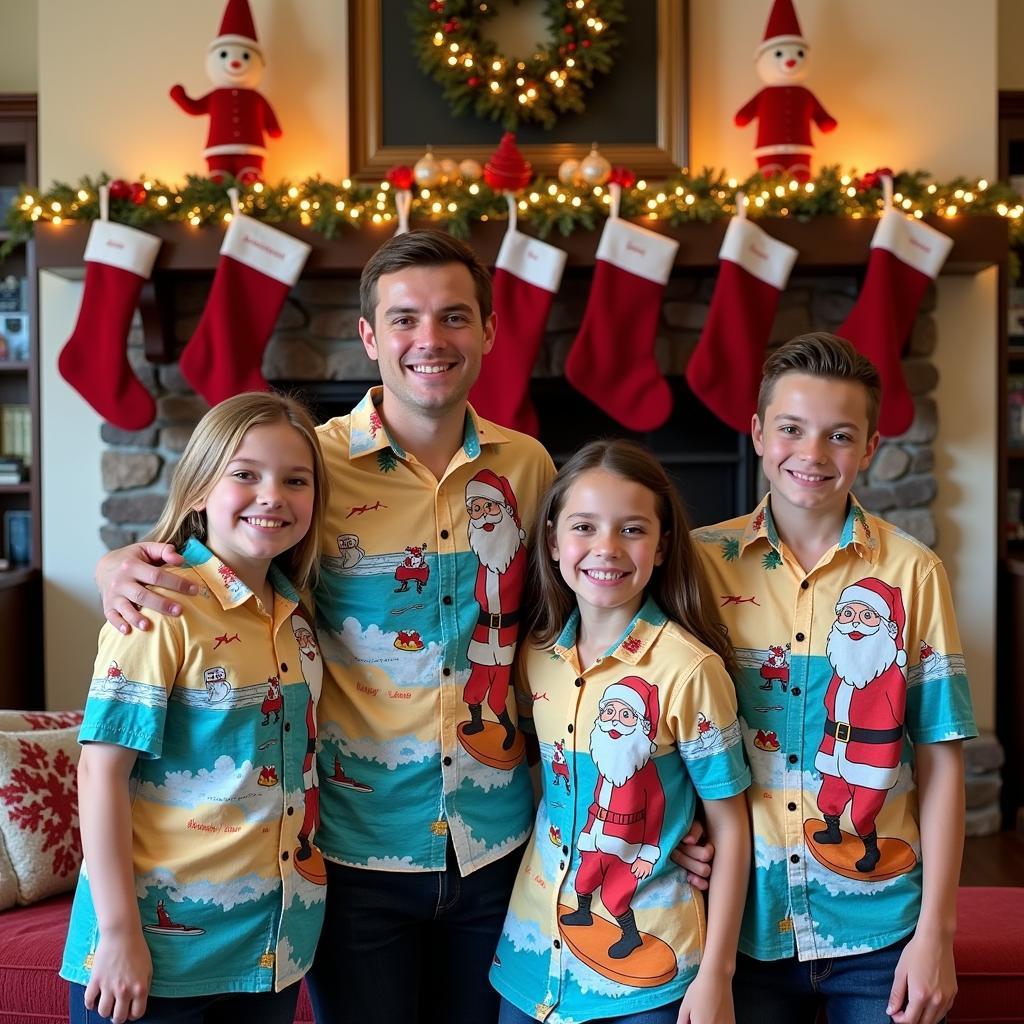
18	50
929	103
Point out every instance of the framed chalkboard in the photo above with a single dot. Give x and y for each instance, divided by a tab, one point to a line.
637	113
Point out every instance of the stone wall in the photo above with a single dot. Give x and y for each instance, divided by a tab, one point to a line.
316	338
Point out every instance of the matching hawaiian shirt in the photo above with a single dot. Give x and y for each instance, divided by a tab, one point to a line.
842	671
608	817
220	705
418	612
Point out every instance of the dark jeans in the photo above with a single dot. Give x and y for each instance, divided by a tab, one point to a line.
411	947
660	1015
250	1007
851	989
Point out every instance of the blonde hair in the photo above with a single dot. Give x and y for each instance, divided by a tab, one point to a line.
679	585
213	443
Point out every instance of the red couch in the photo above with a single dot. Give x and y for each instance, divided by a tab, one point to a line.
989	958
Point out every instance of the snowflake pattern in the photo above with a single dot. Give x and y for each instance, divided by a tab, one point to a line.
632	644
731	549
52	719
386	460
758	520
42	797
375	424
772	560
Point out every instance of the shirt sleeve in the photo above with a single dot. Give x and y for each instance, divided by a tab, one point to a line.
938	696
132	678
708	733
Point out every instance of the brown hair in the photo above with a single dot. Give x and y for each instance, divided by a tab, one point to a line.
426	248
820	354
209	450
679	584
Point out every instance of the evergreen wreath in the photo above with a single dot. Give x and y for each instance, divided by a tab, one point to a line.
449	42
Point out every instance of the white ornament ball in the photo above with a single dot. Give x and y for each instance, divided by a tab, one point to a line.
449	170
594	168
470	170
427	170
568	171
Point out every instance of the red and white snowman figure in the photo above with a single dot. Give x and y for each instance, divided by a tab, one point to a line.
239	116
784	108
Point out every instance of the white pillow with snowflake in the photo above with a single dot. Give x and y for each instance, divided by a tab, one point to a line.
41	848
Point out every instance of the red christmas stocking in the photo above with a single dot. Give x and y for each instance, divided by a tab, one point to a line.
612	359
725	369
526	277
906	255
257	269
118	260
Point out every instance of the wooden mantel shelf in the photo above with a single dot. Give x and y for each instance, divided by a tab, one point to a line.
824	244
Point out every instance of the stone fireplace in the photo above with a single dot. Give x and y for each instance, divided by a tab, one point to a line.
316	350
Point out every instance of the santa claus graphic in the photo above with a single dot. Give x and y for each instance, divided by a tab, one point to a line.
412	569
619	843
312	666
859	756
775	666
496	538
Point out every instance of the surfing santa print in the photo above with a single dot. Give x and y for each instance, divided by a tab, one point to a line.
620	843
308	860
496	538
859	755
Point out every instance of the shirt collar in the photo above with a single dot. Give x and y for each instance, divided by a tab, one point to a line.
368	433
857	533
647	624
222	581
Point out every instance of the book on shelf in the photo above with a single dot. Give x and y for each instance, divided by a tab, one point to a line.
16	432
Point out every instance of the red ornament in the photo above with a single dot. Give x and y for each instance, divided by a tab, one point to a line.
437	6
571	47
138	193
473	81
874	178
120	189
400	176
507	170
622	176
452	25
569	30
585	44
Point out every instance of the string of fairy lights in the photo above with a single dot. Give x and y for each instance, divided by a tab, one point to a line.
330	208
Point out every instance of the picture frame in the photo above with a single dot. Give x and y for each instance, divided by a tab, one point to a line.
640	106
18	537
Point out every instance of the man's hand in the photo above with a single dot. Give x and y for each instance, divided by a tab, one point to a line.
695	853
124	577
925	983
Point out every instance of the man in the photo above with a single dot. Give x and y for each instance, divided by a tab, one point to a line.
423	852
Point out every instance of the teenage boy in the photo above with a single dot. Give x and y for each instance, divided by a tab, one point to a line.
853	700
425	801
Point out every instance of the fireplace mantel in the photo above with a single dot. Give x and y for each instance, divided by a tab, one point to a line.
824	244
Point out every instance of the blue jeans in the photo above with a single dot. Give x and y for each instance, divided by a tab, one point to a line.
851	989
660	1015
251	1007
403	947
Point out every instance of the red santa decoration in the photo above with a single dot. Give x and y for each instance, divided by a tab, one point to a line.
775	666
619	844
496	538
412	569
273	702
784	109
865	705
240	117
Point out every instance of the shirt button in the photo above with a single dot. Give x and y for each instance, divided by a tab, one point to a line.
447	761
287	726
284	856
291	810
447	599
446	671
795	858
284	666
565	851
444	535
569	727
804	585
791	806
557	944
561	865
793	758
800	638
579	682
795	691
